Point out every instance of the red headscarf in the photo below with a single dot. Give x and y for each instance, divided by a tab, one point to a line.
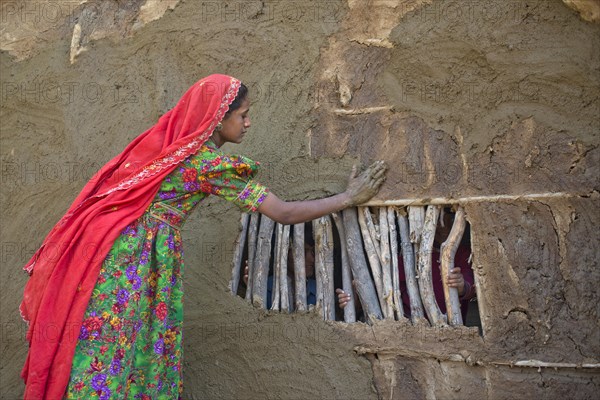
65	268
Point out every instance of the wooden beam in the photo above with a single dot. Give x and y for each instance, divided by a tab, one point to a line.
417	314
373	257
252	237
360	270
448	252
396	294
324	267
386	264
436	318
261	262
236	264
283	268
299	268
275	289
423	201
349	310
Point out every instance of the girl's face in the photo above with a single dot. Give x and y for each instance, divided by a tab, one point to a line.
234	124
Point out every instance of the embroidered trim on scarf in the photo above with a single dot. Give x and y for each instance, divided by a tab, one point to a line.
183	152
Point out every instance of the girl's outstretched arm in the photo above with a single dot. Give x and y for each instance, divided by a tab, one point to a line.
361	187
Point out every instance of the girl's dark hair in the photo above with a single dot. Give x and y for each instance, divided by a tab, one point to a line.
237	102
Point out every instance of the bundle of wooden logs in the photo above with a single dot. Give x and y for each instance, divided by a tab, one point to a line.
373	232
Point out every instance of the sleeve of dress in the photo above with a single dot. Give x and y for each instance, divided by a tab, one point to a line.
232	178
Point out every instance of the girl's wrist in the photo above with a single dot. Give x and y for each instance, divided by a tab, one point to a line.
466	289
346	199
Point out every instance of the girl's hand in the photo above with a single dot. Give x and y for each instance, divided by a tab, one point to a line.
343	298
455	279
366	185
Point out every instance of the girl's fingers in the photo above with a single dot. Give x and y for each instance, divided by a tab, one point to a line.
379	173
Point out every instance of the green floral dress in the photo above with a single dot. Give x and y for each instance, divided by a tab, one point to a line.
130	343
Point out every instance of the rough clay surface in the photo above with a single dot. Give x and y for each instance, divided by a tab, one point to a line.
487	99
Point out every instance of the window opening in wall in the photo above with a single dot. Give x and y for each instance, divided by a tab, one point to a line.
392	260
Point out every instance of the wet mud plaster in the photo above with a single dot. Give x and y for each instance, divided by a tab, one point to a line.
482	101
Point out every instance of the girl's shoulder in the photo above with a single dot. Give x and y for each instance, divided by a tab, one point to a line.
210	158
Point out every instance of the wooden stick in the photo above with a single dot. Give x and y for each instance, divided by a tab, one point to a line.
251	253
283	276
349	311
416	218
237	254
417	314
319	266
386	267
358	111
329	289
448	252
396	295
261	262
373	258
374	230
275	281
424	267
360	270
299	267
544	364
472	199
324	267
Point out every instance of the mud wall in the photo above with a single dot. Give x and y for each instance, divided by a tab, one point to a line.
464	99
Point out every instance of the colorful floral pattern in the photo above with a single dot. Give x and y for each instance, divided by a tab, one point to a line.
130	342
